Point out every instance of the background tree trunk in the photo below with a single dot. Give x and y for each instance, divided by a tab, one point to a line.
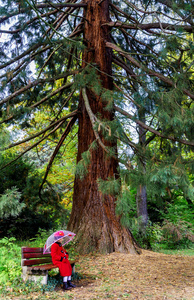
93	216
141	197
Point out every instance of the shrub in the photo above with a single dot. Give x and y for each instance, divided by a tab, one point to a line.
10	260
178	235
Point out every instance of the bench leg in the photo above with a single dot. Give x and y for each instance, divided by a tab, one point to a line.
24	273
42	278
73	268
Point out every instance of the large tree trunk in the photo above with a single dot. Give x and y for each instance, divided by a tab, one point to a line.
93	216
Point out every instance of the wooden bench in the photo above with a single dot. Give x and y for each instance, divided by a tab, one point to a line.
35	264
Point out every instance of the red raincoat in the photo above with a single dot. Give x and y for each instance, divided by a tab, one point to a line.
60	259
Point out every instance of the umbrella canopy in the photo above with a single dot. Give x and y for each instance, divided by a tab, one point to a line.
63	235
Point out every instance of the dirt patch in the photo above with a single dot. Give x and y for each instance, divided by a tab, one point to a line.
123	276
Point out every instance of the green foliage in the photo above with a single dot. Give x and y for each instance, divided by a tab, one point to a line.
82	165
176	228
126	208
18	287
10	205
88	78
4	138
13	176
170	210
178	225
10	260
41	237
21	207
111	186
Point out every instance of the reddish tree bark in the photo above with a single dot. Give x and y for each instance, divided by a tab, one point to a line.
93	216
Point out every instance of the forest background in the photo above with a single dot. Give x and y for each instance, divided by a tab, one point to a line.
105	107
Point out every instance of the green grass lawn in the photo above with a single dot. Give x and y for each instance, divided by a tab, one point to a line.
189	252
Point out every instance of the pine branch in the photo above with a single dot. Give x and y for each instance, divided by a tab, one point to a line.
29	22
92	119
35	83
41	101
61	121
124	13
10	74
42	5
64	15
31	147
93	122
151	129
148	71
60	143
147	26
126	95
133	77
138	41
34	47
138	9
52	94
53	52
170	4
60	5
77	32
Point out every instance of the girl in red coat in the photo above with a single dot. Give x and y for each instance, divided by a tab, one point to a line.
60	259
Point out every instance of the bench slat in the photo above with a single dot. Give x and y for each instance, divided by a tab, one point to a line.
42	267
35	255
32	250
31	262
47	267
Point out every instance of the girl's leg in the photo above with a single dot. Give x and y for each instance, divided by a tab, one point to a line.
70	284
65	284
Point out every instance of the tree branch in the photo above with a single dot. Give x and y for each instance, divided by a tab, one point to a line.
124	13
151	129
170	4
60	143
147	70
93	121
29	22
157	25
35	83
61	121
31	147
34	47
43	5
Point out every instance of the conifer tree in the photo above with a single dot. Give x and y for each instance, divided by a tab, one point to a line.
107	66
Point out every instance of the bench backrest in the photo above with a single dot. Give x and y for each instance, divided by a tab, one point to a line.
34	256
